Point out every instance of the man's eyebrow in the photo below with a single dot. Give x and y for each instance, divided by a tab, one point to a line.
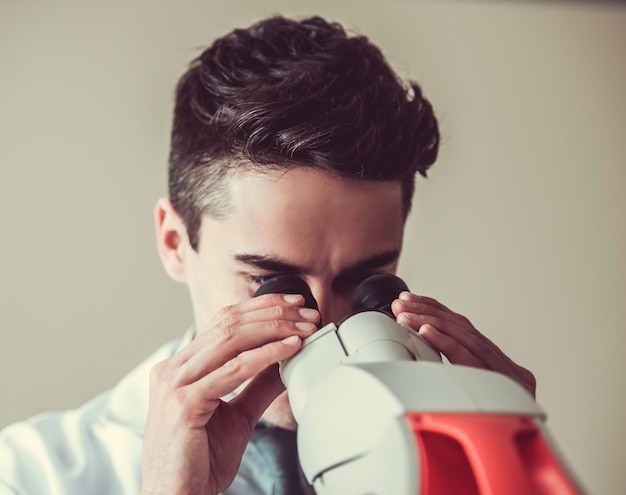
273	264
377	261
268	263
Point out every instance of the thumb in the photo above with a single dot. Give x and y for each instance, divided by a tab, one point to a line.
259	394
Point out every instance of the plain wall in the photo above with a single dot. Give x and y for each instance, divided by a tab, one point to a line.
520	226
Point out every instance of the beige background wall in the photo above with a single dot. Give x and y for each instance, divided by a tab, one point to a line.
521	226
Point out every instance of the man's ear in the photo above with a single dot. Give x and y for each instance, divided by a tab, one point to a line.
172	240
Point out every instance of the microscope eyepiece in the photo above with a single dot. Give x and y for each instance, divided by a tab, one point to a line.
376	293
289	284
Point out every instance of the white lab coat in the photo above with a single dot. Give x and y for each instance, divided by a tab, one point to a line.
96	449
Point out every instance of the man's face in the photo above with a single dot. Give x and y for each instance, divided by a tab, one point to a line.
331	232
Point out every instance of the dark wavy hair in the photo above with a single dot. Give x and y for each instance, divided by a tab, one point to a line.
286	93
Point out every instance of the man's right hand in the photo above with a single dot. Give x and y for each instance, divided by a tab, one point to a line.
194	441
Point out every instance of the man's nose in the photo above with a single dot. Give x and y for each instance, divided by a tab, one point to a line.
332	305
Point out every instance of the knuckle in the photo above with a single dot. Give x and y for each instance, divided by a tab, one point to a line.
429	301
228	311
279	312
159	371
276	325
266	356
162	379
180	396
465	320
234	367
439	324
477	338
226	328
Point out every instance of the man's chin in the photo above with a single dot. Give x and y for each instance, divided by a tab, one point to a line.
279	413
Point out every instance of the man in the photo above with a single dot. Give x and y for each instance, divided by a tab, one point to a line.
294	150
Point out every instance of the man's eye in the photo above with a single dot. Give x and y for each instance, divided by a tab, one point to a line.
259	279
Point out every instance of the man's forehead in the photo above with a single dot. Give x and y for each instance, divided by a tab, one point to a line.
304	206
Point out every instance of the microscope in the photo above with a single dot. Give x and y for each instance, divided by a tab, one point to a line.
380	413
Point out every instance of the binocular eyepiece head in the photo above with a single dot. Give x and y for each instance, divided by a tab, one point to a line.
375	293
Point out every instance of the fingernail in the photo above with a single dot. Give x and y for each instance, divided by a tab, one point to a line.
308	313
405	296
409	303
291	340
426	328
304	326
292	298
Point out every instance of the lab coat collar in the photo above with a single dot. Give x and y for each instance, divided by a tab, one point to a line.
128	403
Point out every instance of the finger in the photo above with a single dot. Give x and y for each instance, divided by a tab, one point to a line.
228	340
451	348
256	397
420	312
464	334
279	311
466	337
484	355
243	367
408	302
235	331
239	331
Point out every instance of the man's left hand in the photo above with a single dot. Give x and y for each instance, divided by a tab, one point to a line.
455	337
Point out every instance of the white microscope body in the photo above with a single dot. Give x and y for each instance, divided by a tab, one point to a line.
379	413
